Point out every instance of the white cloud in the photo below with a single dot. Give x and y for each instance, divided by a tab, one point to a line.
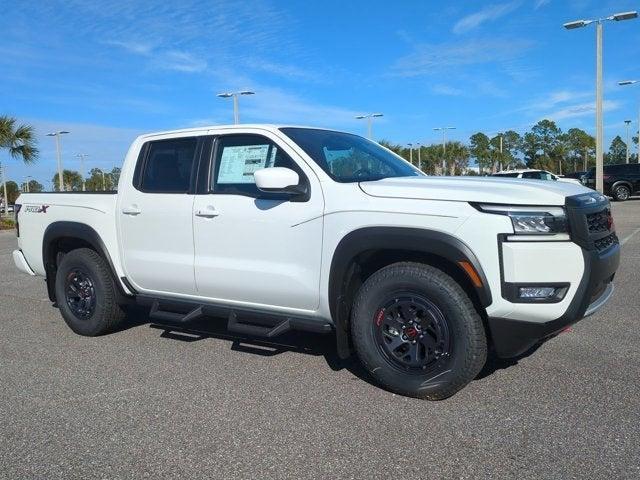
433	58
140	48
277	106
442	89
541	3
180	61
486	14
581	110
556	98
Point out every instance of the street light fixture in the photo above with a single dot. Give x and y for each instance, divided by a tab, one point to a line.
57	135
410	145
369	117
632	82
444	145
599	127
419	146
235	95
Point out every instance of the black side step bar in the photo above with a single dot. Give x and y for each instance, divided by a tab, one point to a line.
167	316
233	325
258	323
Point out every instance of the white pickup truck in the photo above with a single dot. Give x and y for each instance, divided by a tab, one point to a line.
290	228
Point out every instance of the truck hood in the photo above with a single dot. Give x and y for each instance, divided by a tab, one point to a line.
475	189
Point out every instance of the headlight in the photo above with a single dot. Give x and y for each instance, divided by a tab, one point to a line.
531	220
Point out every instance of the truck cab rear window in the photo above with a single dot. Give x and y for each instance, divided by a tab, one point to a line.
167	167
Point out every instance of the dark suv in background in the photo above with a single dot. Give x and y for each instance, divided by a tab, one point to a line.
620	181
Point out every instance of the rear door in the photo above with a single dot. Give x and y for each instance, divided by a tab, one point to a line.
156	226
254	247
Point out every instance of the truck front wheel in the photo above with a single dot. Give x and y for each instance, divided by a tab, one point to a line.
85	293
417	332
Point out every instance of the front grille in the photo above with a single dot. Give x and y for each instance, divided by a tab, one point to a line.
599	221
606	242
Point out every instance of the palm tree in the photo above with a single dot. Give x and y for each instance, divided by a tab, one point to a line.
19	141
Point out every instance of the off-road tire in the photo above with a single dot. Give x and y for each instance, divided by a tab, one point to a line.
106	315
467	333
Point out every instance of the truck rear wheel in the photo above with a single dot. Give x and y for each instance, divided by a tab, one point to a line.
85	293
417	332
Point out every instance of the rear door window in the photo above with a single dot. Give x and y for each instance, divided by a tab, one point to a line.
168	164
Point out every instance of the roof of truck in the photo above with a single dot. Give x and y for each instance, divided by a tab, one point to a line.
241	126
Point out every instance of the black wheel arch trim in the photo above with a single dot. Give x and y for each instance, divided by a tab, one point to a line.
407	239
80	231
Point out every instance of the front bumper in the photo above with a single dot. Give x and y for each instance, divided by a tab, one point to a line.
514	337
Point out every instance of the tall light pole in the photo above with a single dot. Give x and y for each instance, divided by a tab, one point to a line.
236	107
444	145
419	145
599	136
26	183
82	157
369	117
627	123
632	82
5	202
57	135
410	145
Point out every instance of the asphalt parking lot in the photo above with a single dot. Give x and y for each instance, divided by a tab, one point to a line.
142	403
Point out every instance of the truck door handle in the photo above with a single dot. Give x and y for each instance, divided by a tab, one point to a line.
131	210
208	212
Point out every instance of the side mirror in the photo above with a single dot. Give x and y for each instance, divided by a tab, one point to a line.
277	180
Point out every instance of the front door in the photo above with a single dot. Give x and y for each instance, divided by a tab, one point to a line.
256	248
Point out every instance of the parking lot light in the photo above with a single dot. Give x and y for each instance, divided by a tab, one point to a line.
369	117
633	82
599	122
58	156
236	107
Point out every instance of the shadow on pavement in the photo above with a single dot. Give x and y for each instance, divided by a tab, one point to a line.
216	327
300	342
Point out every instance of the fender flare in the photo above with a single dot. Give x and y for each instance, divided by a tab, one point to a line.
75	230
406	239
626	183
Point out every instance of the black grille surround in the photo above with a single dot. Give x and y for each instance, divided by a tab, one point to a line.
589	217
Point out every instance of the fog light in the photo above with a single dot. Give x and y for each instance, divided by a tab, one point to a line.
536	292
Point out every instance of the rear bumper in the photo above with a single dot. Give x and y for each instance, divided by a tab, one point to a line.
514	337
21	262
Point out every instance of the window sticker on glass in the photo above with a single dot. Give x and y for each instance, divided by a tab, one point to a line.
239	162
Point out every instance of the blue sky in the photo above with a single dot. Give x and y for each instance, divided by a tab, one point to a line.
109	70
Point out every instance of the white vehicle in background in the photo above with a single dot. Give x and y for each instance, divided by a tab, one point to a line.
292	228
532	174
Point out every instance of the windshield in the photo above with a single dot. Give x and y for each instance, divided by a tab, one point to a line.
349	158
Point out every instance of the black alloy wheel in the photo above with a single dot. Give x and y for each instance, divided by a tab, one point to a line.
412	333
80	294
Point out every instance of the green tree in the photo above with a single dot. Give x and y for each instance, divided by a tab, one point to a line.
617	151
581	149
35	186
115	177
480	149
100	180
456	157
71	180
18	141
12	191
